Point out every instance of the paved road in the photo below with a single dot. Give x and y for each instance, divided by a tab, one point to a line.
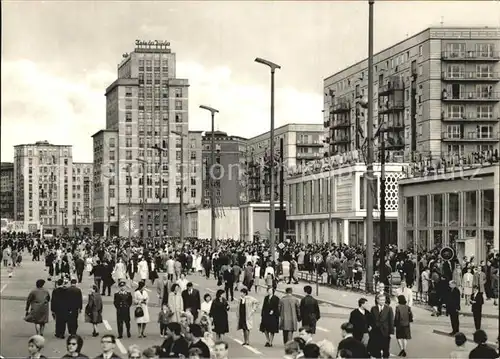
14	331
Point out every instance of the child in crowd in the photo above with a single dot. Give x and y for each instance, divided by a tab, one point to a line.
163	319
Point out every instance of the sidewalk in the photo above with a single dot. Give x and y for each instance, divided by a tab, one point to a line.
489	310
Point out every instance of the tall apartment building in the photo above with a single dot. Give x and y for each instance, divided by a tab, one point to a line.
301	143
230	152
143	106
82	196
7	190
435	93
43	185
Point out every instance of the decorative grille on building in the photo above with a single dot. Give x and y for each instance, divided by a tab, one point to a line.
391	190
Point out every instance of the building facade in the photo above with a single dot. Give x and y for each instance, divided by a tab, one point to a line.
82	197
7	190
43	185
302	143
327	202
199	224
230	152
143	106
459	208
436	93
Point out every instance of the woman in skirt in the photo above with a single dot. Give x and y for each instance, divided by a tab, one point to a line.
402	319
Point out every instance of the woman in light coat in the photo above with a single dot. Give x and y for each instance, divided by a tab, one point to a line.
141	299
142	269
175	303
120	271
467	283
247	306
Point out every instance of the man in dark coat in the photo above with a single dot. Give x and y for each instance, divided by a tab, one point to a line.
79	268
360	320
191	299
229	279
453	307
352	344
75	304
59	308
309	310
123	302
175	345
382	328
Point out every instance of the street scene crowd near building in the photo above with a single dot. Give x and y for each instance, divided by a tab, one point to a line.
376	223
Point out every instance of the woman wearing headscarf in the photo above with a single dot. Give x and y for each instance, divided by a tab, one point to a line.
37	307
141	299
35	346
93	309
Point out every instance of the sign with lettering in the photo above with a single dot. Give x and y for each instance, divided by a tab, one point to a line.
152	44
317	258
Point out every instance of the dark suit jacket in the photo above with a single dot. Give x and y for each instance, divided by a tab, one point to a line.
192	300
453	301
483	351
309	311
478	301
172	349
382	322
360	322
75	299
357	348
205	351
59	301
114	356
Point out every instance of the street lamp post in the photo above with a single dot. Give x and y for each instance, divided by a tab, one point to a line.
160	197
109	208
272	232
129	195
369	157
143	164
213	111
181	206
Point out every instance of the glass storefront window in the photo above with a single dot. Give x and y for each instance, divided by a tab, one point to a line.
453	237
356	233
423	242
410	211
438	238
437	203
453	210
422	211
340	231
470	209
488	207
361	192
410	242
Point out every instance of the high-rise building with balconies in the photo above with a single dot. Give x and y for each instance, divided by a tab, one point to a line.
435	93
143	106
7	190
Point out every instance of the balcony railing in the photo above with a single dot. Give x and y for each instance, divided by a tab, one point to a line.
340	107
309	143
471	55
470	116
341	124
470	76
308	155
471	136
391	106
340	140
389	87
472	96
394	125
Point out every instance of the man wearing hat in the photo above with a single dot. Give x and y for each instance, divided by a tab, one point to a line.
123	302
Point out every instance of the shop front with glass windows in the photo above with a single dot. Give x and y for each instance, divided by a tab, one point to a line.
458	209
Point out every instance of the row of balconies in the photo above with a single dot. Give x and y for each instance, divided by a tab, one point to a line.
471	136
308	155
302	143
471	116
471	55
391	106
470	76
472	96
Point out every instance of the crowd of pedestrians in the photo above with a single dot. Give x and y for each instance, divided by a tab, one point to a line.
192	325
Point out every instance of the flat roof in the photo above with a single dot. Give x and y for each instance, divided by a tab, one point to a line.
458	173
103	130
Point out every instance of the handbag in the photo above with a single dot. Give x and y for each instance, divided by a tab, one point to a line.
138	312
410	315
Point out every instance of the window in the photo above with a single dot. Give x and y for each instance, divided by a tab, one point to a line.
488	208
484	71
456	149
455	71
111	155
420	70
484	148
484	50
484	91
484	131
456	111
128	130
112	192
420	50
470	209
128	142
178	92
453	131
112	142
178	104
128	154
455	49
178	118
193	193
193	155
128	91
484	112
128	116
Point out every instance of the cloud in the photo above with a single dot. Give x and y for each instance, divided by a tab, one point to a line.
39	104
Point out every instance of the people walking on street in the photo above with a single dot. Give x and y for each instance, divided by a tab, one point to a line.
403	316
191	300
37	307
93	309
107	278
162	289
467	285
175	302
289	315
382	328
119	271
219	315
360	320
453	308
247	306
406	292
122	302
75	305
309	309
477	301
270	316
141	299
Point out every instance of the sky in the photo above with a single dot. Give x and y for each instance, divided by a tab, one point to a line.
59	57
